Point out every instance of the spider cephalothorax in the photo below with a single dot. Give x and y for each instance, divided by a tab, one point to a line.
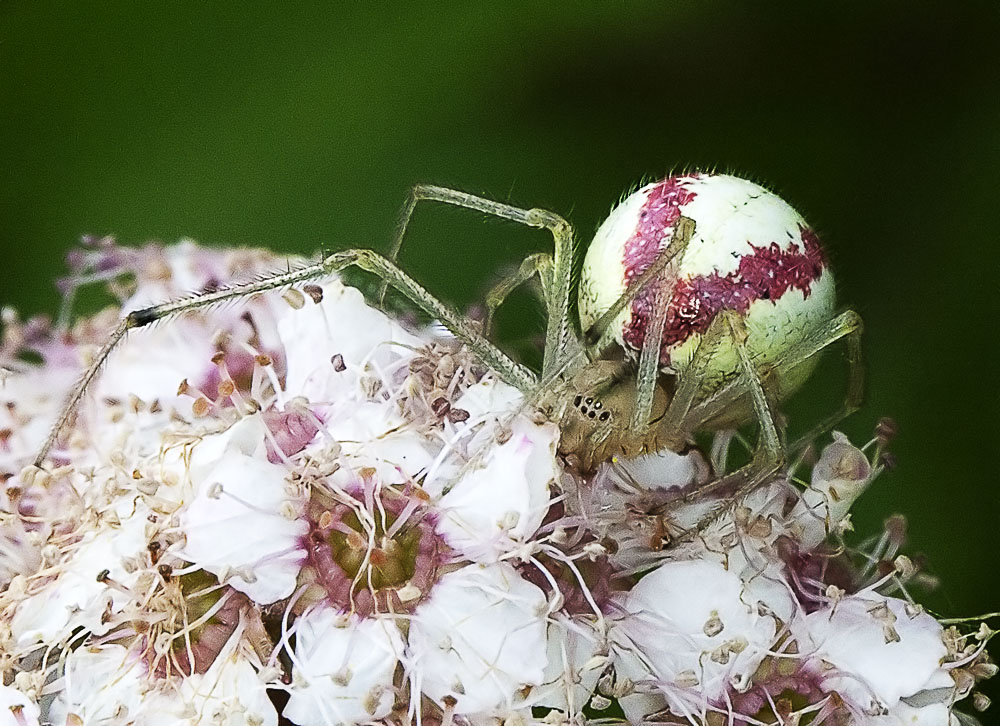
594	421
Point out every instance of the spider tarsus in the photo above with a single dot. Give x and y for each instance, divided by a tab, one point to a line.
140	318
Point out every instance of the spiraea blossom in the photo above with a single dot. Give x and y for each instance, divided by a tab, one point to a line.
300	510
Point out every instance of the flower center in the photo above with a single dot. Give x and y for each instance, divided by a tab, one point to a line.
374	551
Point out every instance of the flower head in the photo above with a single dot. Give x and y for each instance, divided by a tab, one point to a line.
300	508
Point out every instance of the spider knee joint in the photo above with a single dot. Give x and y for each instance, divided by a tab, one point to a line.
550	220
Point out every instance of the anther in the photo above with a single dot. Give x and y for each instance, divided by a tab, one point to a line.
201	406
315	292
457	415
440	406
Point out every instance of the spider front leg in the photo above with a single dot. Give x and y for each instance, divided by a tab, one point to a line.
556	287
508	370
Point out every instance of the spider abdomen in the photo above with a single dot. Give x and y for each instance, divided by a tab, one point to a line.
751	252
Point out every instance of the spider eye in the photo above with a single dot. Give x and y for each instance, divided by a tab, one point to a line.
605	416
578	400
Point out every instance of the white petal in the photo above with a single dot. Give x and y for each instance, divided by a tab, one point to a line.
237	526
230	692
343	668
76	598
100	683
341	324
696	619
16	709
838	479
505	501
935	714
480	638
858	636
574	665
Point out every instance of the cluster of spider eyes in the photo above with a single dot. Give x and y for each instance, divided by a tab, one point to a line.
590	408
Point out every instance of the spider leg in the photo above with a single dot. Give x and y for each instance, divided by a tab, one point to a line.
508	370
846	325
769	456
601	335
649	359
539	263
690	382
557	295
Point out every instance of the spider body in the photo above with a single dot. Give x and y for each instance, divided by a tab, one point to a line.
704	301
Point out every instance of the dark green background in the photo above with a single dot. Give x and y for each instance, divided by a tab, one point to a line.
301	125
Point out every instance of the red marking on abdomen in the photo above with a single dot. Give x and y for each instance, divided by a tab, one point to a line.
658	216
766	274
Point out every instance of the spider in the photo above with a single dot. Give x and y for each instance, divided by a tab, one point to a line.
703	303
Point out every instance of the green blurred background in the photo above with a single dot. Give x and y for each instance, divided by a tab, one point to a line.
302	125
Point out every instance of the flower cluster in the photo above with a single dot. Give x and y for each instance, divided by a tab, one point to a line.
296	510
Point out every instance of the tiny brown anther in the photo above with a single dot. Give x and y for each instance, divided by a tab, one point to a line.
440	406
218	357
183	387
227	388
201	406
457	415
886	430
262	359
338	362
315	292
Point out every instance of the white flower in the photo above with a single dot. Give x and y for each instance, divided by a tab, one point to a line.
694	629
242	525
493	508
577	657
230	692
838	479
479	639
344	668
80	595
880	650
